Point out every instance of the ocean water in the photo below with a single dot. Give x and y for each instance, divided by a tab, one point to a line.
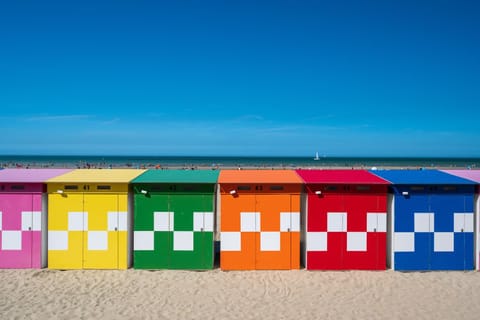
214	162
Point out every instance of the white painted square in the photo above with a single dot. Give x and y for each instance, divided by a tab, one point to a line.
97	240
356	241
289	221
376	222
317	241
183	241
36	220
122	221
250	221
31	220
77	221
163	221
203	221
57	240
230	241
424	222
112	220
27	220
336	221
198	221
443	242
1	218
117	221
11	240
404	242
143	240
208	221
269	241
463	222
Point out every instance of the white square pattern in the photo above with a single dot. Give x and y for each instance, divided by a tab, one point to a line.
289	221
269	241
356	241
404	242
31	221
77	221
163	221
336	221
230	241
250	221
11	240
424	221
317	241
203	221
57	240
376	222
117	221
183	241
463	222
143	240
97	240
442	241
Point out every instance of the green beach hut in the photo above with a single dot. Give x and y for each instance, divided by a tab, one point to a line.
174	219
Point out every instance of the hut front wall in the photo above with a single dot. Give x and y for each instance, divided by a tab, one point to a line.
21	226
173	226
88	227
346	227
260	227
433	228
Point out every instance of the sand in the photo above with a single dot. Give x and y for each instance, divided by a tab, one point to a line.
169	294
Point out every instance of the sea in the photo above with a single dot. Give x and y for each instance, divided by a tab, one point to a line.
219	162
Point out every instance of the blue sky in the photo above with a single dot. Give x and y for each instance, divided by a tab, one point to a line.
344	78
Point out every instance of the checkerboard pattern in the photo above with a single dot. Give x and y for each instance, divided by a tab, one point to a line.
443	241
269	240
163	221
11	237
337	222
97	240
20	239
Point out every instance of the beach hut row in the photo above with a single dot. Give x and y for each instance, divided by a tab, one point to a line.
262	219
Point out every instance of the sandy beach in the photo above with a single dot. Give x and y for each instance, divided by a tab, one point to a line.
169	294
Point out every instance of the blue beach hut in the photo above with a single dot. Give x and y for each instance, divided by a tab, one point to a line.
431	220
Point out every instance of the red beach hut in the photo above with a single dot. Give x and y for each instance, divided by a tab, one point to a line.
346	220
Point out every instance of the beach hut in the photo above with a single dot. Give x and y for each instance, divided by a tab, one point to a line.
346	214
473	175
432	220
259	214
174	219
23	217
89	219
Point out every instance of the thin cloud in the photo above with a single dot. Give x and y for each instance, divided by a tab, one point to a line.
111	121
60	117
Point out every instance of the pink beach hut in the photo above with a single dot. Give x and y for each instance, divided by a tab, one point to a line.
473	175
23	219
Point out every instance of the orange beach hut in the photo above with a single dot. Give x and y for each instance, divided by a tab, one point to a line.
259	218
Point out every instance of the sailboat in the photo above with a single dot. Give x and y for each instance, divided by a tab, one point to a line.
316	156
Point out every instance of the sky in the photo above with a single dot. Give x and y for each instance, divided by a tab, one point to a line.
260	78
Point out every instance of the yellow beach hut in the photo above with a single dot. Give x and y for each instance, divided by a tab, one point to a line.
89	219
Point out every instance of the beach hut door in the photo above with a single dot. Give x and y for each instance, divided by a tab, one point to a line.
101	247
16	228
